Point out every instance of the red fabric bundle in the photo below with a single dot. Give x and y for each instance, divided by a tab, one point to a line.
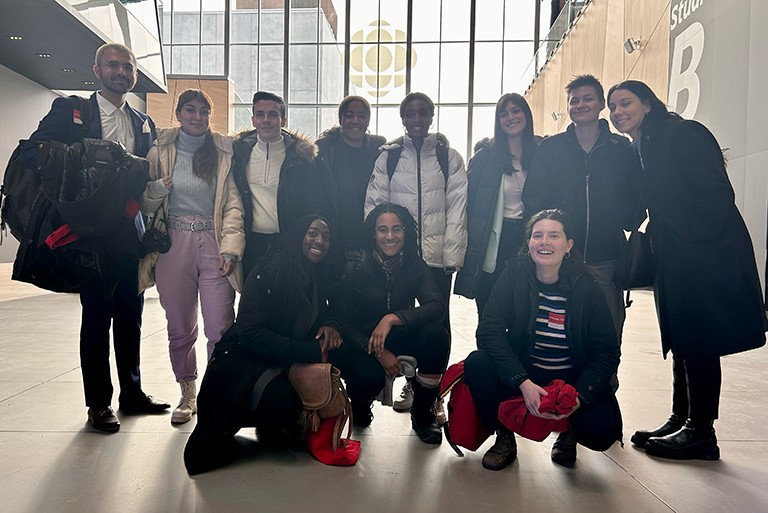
320	444
464	426
560	399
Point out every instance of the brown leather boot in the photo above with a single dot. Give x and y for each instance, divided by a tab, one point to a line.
502	452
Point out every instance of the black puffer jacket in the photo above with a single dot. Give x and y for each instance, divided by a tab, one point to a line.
598	189
347	181
301	190
364	296
506	329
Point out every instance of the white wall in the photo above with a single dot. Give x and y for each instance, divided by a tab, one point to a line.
23	103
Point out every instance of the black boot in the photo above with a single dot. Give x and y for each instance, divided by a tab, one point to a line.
422	416
362	416
564	449
695	441
673	424
502	452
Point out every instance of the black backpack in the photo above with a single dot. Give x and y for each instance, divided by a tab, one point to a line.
393	156
21	192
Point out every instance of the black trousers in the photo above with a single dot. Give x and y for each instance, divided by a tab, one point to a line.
595	426
512	233
696	388
364	375
122	310
256	245
444	282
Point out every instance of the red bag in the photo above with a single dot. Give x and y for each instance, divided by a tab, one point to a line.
321	444
464	427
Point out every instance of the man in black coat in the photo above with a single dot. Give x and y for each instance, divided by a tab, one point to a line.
275	172
113	119
592	174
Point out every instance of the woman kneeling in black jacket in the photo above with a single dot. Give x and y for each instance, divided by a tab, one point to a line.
376	306
546	319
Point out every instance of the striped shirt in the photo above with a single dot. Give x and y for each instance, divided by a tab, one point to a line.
551	347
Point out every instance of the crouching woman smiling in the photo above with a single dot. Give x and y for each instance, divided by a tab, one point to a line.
546	319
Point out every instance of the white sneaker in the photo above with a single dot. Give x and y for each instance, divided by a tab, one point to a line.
404	402
439	409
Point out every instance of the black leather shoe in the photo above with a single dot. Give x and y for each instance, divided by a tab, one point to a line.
103	419
564	450
143	404
689	443
427	430
362	416
673	424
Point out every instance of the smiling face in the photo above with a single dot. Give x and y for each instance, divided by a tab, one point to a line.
512	120
584	105
390	234
548	245
354	123
116	71
317	241
267	120
194	117
627	112
417	118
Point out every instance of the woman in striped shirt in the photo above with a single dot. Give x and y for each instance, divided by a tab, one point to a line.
546	319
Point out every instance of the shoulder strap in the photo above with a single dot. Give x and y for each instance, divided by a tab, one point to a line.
442	156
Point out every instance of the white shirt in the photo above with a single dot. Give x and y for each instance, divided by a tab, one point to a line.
263	175
116	123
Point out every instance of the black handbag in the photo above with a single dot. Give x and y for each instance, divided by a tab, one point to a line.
637	266
156	240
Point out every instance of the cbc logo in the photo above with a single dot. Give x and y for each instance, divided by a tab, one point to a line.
377	70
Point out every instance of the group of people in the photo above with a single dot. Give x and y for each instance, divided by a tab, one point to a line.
344	250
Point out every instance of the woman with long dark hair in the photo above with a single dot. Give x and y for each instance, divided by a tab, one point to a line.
707	291
546	319
381	282
192	189
282	319
496	175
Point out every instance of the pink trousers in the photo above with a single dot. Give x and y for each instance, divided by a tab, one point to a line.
191	267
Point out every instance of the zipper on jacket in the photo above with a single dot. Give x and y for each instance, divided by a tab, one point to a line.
266	166
419	219
586	236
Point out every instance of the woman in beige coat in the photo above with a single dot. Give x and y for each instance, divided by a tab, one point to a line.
191	187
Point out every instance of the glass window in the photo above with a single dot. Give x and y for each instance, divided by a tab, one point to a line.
186	28
185	60
213	27
331	74
487	80
272	21
489	22
425	74
212	60
517	56
304	120
166	27
244	26
243	69
377	72
388	122
327	117
426	20
516	25
243	116
454	73
302	77
482	123
304	24
456	15
271	69
452	122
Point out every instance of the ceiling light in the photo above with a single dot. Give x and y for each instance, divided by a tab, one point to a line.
44	55
67	70
88	82
15	38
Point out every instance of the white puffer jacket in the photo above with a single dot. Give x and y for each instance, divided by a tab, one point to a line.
418	184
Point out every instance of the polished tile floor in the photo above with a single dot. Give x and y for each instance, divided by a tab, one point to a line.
50	461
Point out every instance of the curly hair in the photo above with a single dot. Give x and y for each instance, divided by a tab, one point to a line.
410	246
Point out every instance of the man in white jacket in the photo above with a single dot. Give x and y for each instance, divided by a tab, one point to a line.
430	180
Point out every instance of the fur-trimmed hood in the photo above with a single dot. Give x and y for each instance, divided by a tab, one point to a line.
333	136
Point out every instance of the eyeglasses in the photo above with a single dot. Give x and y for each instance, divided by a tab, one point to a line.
114	66
397	229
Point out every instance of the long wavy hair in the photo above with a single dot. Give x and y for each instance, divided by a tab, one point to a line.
293	272
658	113
410	247
205	160
500	137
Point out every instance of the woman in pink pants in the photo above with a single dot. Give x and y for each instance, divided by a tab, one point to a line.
191	186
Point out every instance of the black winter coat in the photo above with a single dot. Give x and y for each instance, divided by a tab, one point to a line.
264	336
506	329
708	294
484	174
301	190
364	296
598	189
346	181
